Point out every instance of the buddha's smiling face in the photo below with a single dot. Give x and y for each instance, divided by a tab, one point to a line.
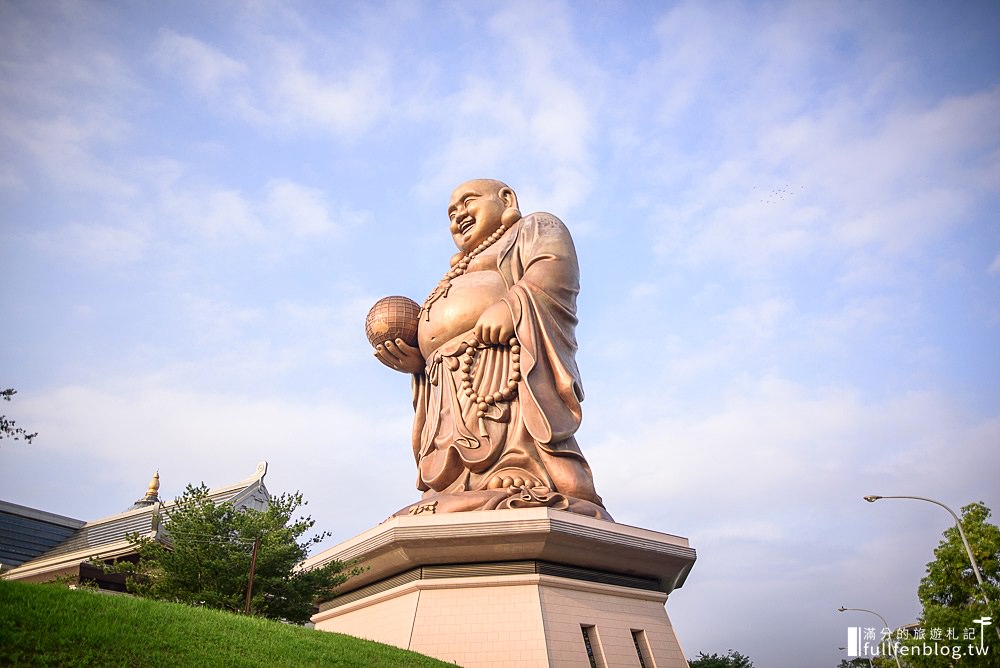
476	211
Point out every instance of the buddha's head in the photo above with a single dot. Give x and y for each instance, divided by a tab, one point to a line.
477	209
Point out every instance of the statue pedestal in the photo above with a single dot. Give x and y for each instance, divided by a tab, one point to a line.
528	587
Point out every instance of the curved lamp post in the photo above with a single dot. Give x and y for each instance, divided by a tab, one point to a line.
961	532
872	498
885	624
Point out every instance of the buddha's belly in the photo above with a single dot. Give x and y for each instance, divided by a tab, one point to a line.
469	295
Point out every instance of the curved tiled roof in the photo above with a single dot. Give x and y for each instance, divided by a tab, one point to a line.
106	538
27	532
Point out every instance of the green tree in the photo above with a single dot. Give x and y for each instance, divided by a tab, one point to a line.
207	558
952	599
731	659
9	428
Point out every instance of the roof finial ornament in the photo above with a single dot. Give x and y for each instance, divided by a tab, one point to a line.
152	493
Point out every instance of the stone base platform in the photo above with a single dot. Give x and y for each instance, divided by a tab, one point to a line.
526	587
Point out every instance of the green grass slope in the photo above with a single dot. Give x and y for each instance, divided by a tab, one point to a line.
46	625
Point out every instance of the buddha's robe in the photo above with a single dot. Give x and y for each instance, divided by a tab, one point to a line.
522	452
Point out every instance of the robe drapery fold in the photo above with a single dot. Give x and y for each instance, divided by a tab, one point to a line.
529	439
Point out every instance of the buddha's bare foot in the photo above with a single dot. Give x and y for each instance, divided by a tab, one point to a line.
512	479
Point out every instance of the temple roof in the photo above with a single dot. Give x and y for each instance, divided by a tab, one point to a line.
27	532
105	538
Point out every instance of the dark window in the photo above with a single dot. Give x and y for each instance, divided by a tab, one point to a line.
588	643
641	646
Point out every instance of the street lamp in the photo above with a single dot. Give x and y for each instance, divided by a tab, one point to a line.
872	498
885	625
961	532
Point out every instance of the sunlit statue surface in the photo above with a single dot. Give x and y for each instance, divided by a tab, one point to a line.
496	389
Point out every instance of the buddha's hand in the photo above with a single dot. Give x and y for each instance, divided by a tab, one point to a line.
400	356
495	325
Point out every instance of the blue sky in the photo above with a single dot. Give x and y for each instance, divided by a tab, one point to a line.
786	216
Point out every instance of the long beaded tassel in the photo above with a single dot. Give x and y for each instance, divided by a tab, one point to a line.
504	394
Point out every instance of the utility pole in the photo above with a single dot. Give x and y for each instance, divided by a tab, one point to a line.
253	567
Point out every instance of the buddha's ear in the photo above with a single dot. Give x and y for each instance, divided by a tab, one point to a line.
511	214
507	196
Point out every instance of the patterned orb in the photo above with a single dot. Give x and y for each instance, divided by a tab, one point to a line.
392	318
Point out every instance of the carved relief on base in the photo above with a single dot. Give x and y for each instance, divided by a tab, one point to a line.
500	499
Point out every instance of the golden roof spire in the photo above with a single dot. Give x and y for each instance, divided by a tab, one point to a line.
152	493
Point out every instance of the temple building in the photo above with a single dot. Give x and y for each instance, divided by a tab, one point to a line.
38	546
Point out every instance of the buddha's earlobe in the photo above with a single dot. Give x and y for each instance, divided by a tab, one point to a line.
510	216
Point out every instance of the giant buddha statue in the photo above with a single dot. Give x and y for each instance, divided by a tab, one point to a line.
496	389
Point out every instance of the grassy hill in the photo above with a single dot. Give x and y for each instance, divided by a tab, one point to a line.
48	625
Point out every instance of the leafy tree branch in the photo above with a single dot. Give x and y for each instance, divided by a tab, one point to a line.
8	428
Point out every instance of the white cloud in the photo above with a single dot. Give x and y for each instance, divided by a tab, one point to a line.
64	98
731	532
286	211
345	100
750	335
771	438
282	88
752	323
223	216
529	109
325	447
217	323
994	267
899	188
297	209
874	178
229	343
174	214
643	291
62	149
10	179
861	315
207	69
97	243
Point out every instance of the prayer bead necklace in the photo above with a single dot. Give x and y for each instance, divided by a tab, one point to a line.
506	392
440	291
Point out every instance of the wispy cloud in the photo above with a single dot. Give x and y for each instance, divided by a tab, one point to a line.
96	243
267	79
209	71
226	434
302	211
346	100
63	99
994	267
859	172
528	107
